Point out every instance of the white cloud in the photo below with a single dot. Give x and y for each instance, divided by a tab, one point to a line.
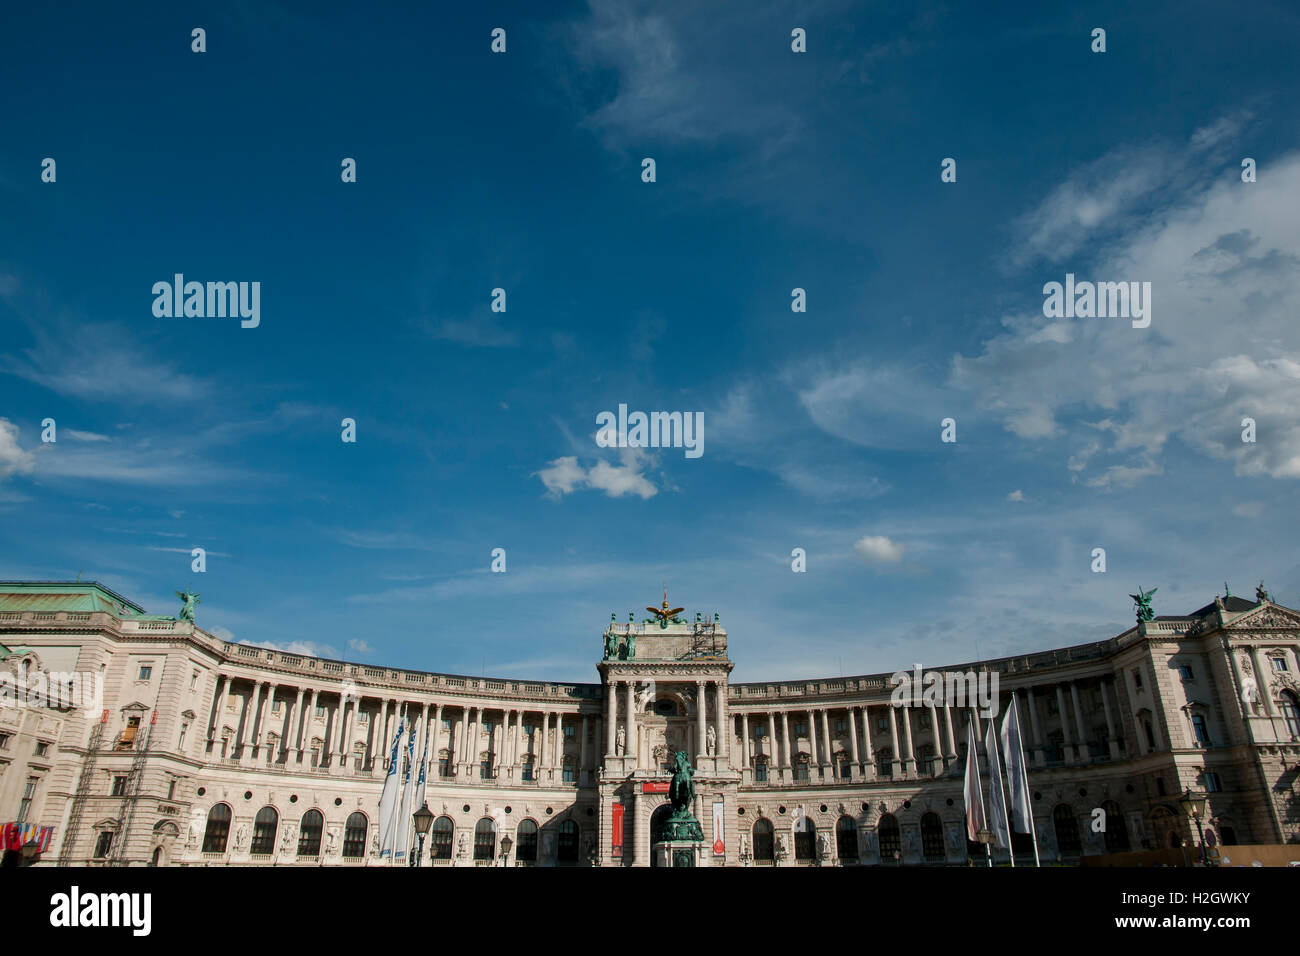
84	436
359	646
1016	495
14	459
878	549
565	475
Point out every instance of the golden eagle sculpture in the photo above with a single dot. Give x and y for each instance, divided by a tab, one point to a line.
666	615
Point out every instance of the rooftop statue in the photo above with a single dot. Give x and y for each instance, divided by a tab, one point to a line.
187	609
665	615
1143	601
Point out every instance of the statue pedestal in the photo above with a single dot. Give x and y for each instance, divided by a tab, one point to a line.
679	853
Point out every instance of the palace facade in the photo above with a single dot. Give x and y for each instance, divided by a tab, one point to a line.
202	752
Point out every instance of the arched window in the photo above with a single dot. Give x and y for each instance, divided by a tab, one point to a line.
888	834
264	827
567	849
214	837
846	838
354	835
932	838
805	839
313	821
1067	830
1290	713
526	842
764	849
442	832
485	839
1116	832
157	857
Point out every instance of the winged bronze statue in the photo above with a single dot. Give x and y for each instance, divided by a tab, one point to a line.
1143	601
666	615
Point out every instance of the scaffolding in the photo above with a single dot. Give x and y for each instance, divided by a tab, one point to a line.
131	795
82	795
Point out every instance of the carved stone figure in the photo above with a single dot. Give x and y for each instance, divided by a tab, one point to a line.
823	851
462	847
241	837
611	646
286	838
620	741
631	644
712	741
1143	602
331	840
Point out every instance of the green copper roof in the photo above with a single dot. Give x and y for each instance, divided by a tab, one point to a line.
65	596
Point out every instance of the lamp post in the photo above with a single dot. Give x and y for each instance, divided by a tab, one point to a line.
985	837
506	844
423	820
1193	805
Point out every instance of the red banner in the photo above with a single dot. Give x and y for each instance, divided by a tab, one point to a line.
617	831
655	786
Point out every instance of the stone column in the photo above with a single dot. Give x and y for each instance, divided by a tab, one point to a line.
215	723
583	762
1065	721
720	720
267	714
745	755
909	754
812	742
1078	717
828	756
1262	678
1111	740
785	741
250	719
895	757
295	728
938	740
462	750
1033	727
701	738
309	718
853	739
435	742
611	716
334	732
557	757
632	750
951	753
868	757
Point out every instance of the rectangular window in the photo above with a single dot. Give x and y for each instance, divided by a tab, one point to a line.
194	681
320	710
925	720
882	724
801	730
1160	786
1185	671
760	772
444	766
570	731
801	771
29	794
146	671
1212	782
1201	729
528	730
180	744
1053	707
760	731
446	723
276	705
119	786
103	844
841	726
1137	678
42	748
171	789
315	756
485	770
527	773
1279	663
487	727
4	741
363	717
569	776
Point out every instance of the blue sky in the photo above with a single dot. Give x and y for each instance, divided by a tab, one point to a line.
775	170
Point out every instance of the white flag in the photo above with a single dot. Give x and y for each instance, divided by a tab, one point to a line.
1017	776
388	800
971	791
419	787
404	814
997	801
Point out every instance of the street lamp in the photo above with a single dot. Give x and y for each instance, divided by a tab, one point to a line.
506	844
1193	805
423	820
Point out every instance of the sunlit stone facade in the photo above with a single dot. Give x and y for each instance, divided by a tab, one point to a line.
204	752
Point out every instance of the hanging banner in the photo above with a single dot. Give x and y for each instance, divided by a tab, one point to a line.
655	786
719	844
616	832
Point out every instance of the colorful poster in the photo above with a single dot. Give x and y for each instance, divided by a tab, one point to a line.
617	831
719	844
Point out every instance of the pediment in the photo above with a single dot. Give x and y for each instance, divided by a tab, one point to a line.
187	713
135	705
1270	616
